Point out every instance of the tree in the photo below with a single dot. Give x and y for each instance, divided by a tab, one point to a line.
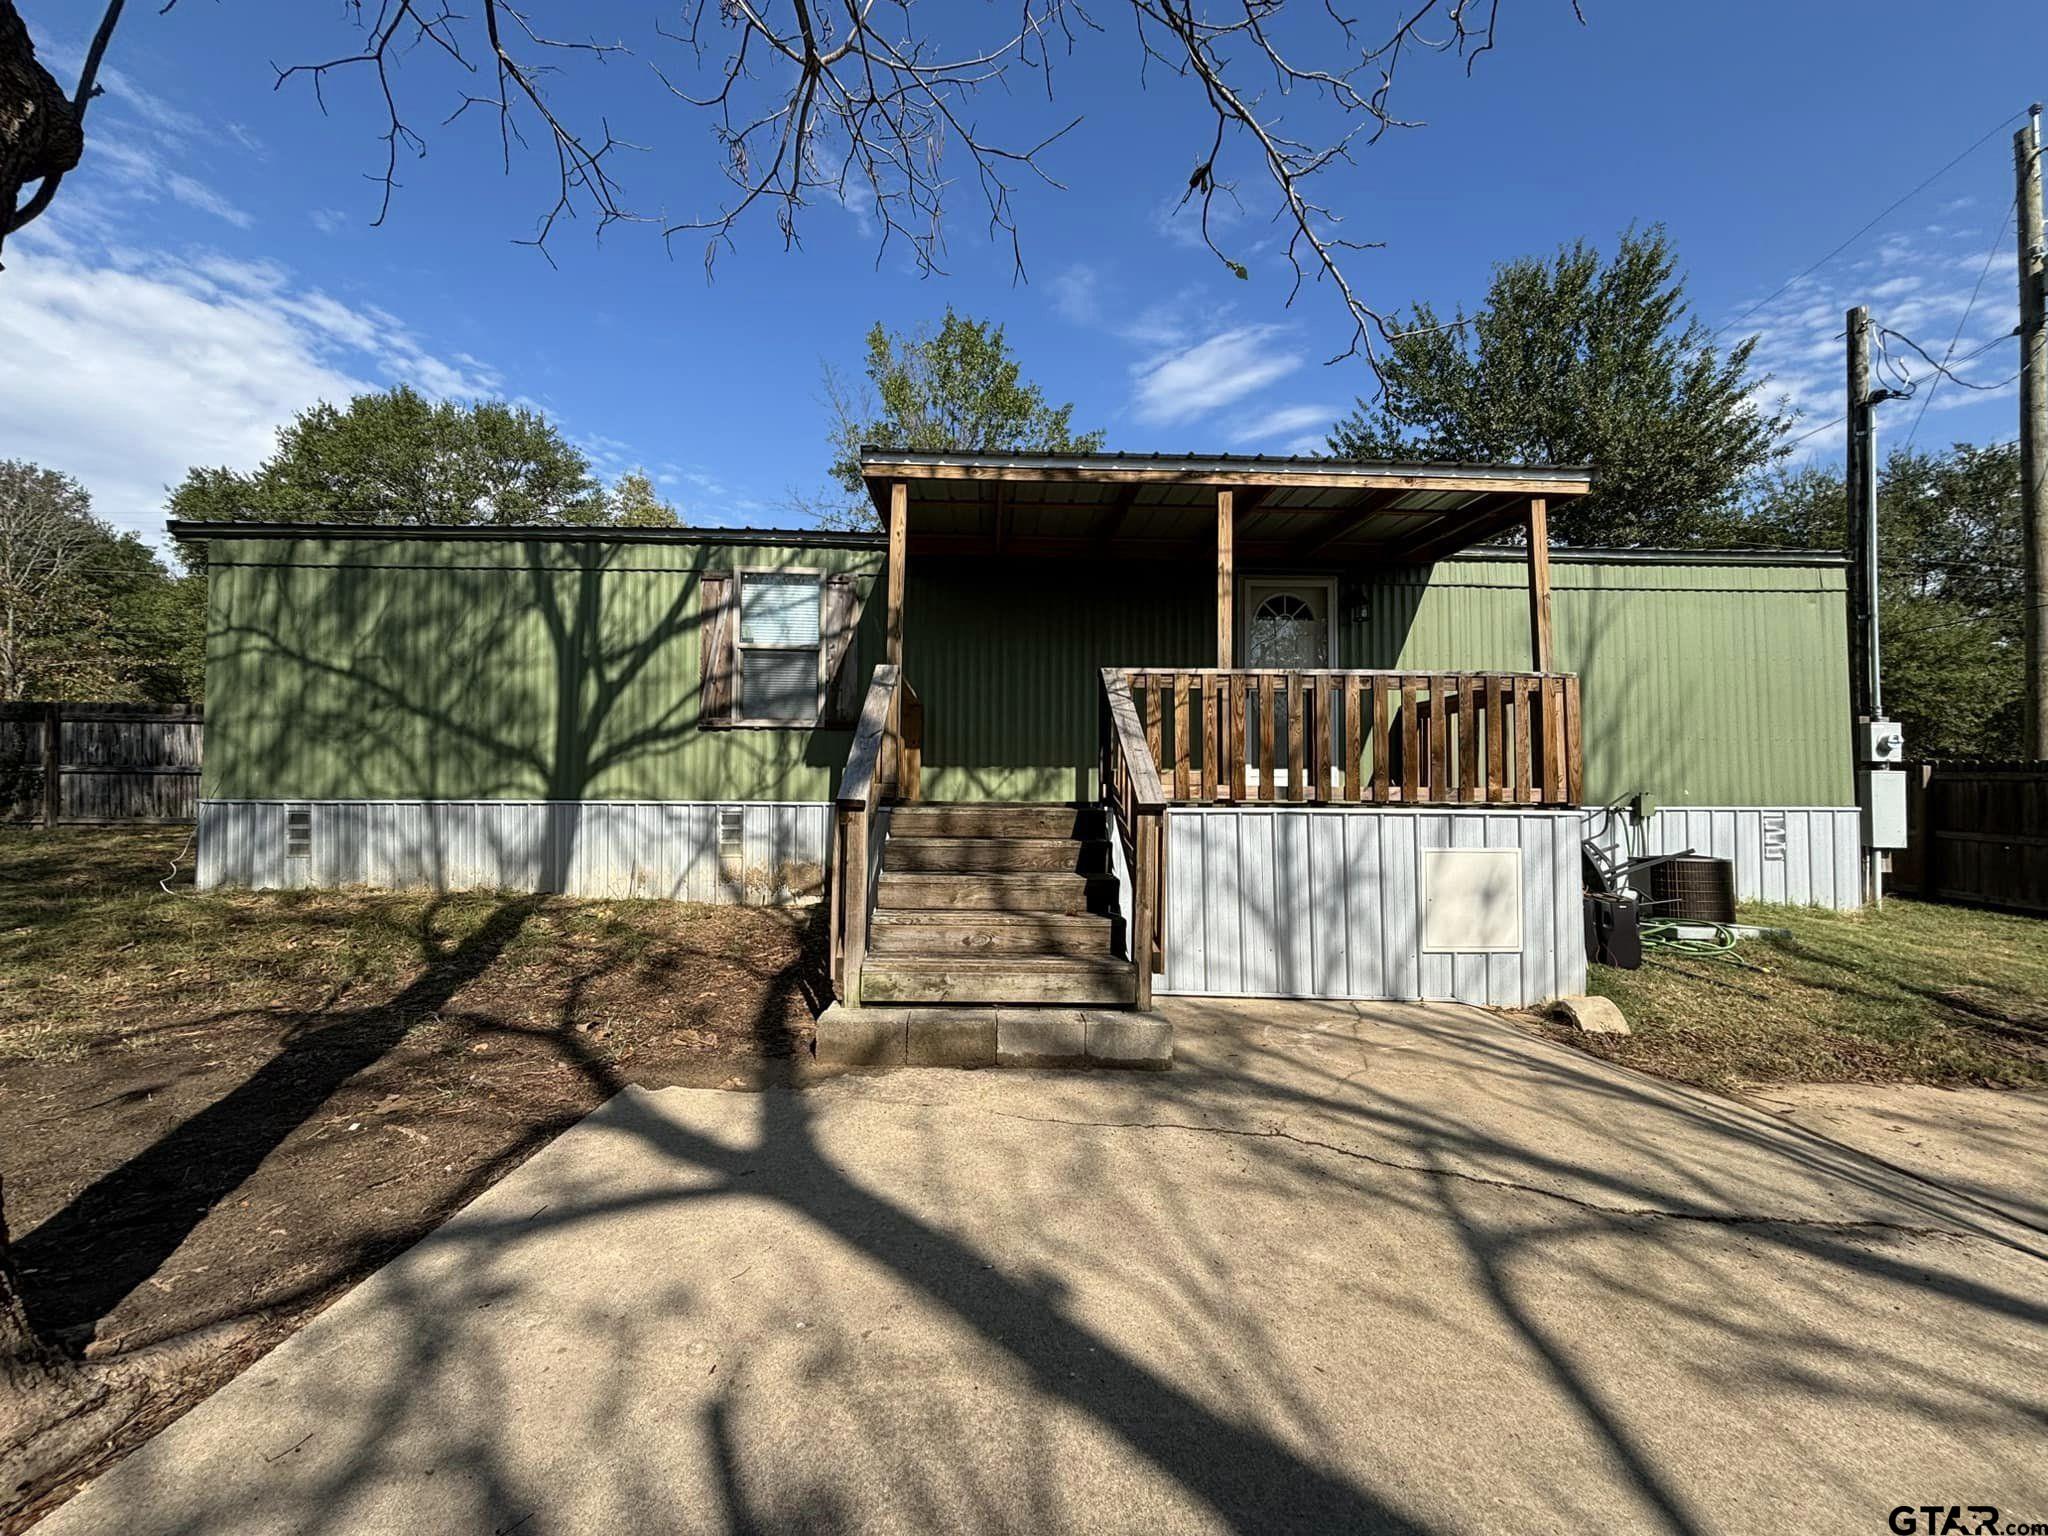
1951	585
398	457
85	612
47	535
878	107
1582	361
634	503
954	390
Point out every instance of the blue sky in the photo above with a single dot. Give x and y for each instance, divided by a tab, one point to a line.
212	268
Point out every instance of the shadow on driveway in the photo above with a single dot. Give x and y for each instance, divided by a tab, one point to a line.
1397	1269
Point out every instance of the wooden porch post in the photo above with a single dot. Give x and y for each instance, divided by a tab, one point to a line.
1226	574
1539	583
892	627
899	548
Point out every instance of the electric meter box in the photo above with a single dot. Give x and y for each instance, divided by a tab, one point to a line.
1882	794
1883	741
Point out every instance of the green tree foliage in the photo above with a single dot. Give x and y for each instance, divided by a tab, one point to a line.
397	457
1951	591
85	612
1577	360
633	502
954	390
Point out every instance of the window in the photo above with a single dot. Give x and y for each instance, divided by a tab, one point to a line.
778	646
1286	631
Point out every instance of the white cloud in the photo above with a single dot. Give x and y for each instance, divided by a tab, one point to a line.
327	220
64	57
128	168
1180	385
1288	425
197	194
1180	219
1075	293
1914	287
126	370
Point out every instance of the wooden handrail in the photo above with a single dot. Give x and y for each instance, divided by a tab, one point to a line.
885	759
860	783
1136	799
1127	736
1361	737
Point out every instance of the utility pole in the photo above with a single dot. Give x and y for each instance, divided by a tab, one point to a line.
1880	787
1859	471
2026	154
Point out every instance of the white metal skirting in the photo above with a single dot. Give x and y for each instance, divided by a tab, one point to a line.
679	851
1797	856
1288	902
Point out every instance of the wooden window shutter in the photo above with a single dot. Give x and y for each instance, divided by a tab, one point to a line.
718	652
838	621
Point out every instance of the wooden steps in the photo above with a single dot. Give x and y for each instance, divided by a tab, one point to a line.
994	855
1017	979
996	904
998	893
910	931
917	821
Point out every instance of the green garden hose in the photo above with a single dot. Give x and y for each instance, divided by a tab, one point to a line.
1662	934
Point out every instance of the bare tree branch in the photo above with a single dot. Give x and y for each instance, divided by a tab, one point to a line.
875	105
42	134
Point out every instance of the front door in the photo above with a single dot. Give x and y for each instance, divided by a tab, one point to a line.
1288	627
1289	623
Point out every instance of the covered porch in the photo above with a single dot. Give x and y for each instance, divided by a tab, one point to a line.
1143	633
1228	591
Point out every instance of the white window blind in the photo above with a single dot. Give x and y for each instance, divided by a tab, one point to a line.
779	645
779	610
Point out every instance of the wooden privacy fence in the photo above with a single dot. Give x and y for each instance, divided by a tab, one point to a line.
74	763
1362	738
1977	833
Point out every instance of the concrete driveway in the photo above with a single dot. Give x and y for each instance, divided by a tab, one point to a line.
1397	1269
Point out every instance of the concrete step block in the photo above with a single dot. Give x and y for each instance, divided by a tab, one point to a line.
951	1037
862	1037
1041	1037
1140	1040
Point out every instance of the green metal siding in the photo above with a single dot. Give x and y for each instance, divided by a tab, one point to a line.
1702	684
420	669
356	668
1006	657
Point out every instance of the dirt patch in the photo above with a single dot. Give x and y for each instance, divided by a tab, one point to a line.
226	1108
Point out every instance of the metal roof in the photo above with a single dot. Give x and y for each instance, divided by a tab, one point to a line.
832	538
881	460
1328	512
560	533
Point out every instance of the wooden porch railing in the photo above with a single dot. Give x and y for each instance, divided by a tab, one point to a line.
1360	738
1136	801
884	763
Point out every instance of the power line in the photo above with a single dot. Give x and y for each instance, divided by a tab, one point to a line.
1990	252
1890	209
1816	432
1911	385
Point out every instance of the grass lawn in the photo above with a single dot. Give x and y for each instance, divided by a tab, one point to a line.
1918	992
221	1109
